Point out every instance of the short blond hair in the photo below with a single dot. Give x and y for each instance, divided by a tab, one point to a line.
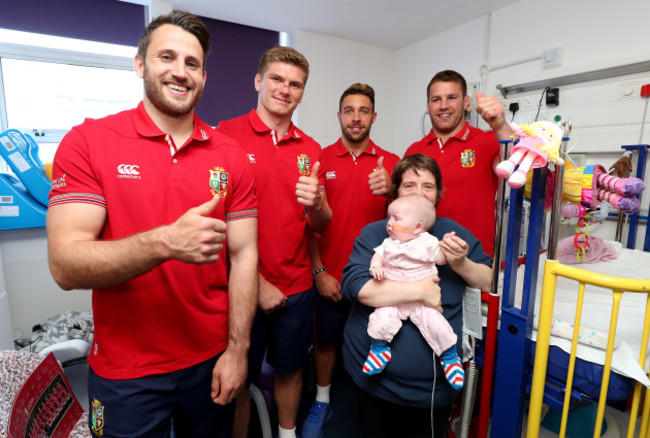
284	54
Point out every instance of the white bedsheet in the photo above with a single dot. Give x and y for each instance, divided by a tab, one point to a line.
596	313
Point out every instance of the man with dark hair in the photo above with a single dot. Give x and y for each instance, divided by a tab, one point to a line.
138	212
289	183
466	155
357	182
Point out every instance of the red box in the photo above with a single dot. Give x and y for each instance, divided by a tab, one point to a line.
645	90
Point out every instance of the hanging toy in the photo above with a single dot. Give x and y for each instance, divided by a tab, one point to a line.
538	144
581	239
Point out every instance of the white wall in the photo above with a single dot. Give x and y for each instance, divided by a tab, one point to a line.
592	36
602	35
33	294
335	64
459	49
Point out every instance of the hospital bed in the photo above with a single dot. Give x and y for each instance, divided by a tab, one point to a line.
517	334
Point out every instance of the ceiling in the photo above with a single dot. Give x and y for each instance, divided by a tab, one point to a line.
390	24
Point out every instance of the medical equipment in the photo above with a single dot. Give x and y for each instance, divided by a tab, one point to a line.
23	191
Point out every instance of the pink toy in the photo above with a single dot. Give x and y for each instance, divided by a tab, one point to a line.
589	185
538	144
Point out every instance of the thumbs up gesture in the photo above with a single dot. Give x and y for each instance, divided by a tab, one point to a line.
307	191
491	110
195	237
379	180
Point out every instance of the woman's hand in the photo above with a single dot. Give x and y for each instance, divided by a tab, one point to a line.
454	248
431	296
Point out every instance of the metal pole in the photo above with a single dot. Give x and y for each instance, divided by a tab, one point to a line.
557	196
500	213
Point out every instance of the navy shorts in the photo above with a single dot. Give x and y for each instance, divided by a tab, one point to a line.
329	319
287	334
146	406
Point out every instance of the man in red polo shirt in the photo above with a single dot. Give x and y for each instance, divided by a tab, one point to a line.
357	181
138	212
466	155
289	182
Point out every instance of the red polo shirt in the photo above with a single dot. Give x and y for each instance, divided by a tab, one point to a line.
353	204
175	315
466	161
282	221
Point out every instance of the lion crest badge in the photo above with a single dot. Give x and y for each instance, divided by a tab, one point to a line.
219	181
468	158
97	417
304	164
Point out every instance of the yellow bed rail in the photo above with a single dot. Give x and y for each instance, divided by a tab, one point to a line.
553	269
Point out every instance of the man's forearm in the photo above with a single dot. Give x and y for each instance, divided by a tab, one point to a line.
504	132
319	217
103	263
243	290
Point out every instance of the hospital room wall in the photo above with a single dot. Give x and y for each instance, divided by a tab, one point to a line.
335	64
33	294
592	36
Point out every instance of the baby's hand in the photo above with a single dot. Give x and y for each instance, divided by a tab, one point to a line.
377	272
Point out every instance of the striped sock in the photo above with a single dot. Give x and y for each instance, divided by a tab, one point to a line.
453	368
378	357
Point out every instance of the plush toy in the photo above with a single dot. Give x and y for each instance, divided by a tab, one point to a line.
538	144
589	185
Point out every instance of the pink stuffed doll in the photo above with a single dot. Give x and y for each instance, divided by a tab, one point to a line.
538	144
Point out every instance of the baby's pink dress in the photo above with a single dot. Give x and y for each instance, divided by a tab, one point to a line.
411	261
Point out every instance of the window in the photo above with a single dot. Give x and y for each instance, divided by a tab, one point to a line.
46	90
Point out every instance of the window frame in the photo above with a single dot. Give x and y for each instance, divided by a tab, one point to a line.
55	56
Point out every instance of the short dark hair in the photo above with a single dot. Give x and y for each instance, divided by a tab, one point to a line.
359	88
448	76
185	21
417	162
288	55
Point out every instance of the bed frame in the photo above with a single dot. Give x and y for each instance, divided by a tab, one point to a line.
512	380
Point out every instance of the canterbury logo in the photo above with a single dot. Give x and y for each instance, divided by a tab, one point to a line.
330	175
128	169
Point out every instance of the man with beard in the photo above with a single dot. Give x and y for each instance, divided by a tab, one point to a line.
357	182
466	155
289	187
138	212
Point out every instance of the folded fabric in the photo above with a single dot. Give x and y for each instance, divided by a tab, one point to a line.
586	335
596	250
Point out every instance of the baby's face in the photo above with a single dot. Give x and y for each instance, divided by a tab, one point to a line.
401	222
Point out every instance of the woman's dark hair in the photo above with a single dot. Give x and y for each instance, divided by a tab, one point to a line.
417	162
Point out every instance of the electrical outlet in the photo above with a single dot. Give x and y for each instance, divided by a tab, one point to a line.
526	104
530	103
552	57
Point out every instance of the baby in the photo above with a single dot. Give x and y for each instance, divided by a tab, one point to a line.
410	253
